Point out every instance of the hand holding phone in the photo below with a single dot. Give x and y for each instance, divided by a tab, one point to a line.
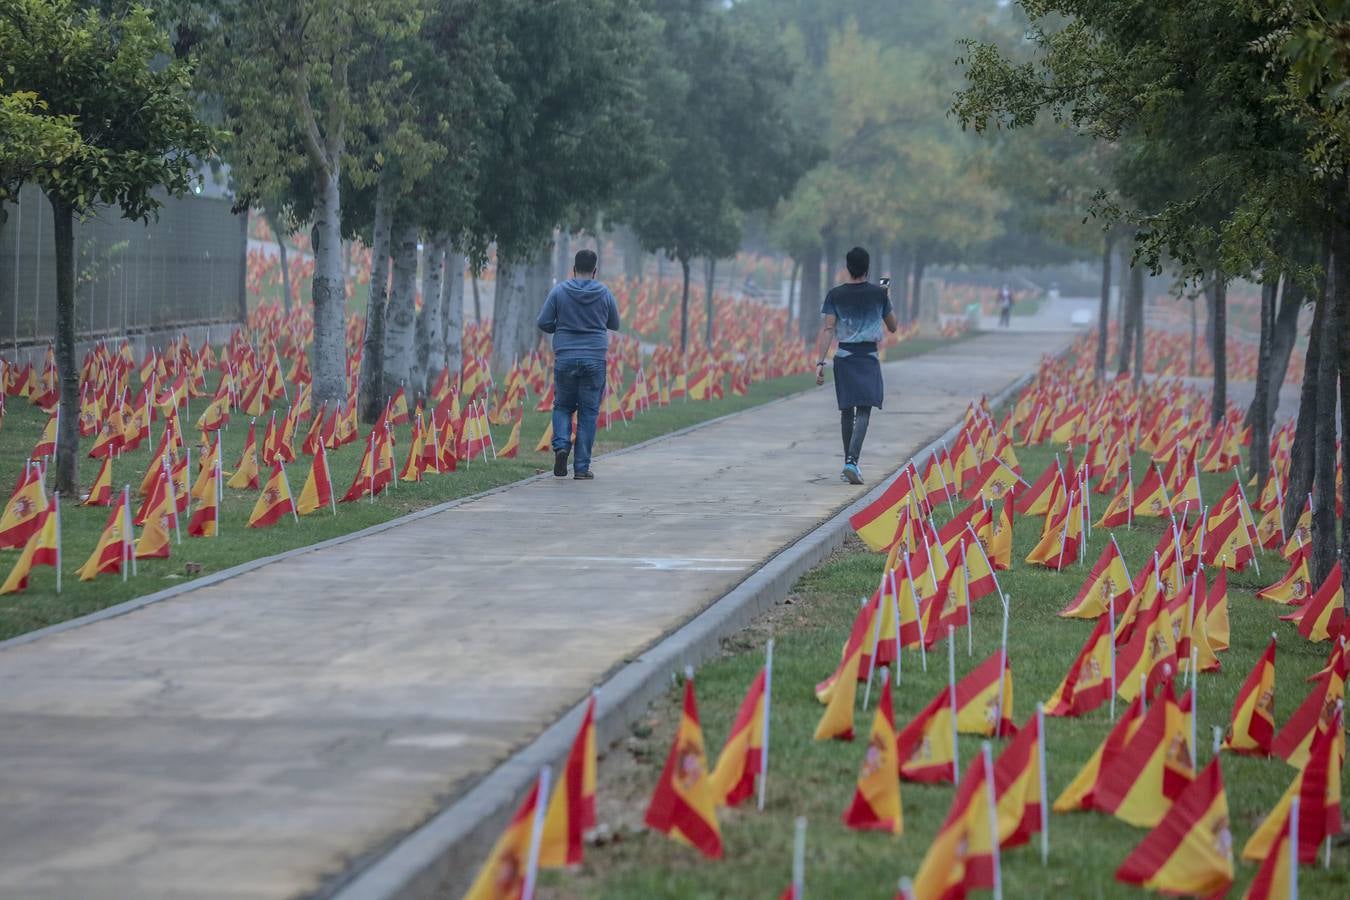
884	281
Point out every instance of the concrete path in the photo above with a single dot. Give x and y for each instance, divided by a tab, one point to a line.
258	737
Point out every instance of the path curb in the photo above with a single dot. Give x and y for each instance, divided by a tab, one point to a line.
441	857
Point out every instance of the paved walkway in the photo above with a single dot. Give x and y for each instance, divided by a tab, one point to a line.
252	738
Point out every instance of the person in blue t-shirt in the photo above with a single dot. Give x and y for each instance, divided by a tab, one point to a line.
854	314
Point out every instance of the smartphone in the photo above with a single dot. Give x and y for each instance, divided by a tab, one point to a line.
884	281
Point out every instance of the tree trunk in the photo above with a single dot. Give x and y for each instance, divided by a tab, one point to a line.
792	292
684	305
452	310
477	303
430	333
916	294
1137	301
67	367
1195	335
377	299
1282	347
1209	317
401	318
1301	454
1258	416
808	323
329	293
711	269
1127	325
1324	541
281	258
241	310
512	319
1104	310
1219	405
900	281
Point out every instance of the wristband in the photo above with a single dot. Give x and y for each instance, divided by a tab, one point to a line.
819	364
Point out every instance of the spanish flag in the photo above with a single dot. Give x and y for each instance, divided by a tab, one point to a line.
160	513
274	501
1150	497
571	811
1063	541
1277	879
114	544
1120	510
1190	851
1293	742
545	444
876	801
507	873
961	856
875	523
1107	585
1216	612
1318	788
512	447
1078	794
838	691
100	493
683	805
1294	586
46	442
318	489
1152	769
926	748
742	756
1324	615
1035	500
43	549
991	482
1017	779
205	521
1253	723
246	471
979	709
1151	651
23	514
1301	536
1087	684
412	466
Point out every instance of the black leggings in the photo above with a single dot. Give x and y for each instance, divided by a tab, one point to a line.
853	426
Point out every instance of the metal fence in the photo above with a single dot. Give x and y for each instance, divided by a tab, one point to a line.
185	268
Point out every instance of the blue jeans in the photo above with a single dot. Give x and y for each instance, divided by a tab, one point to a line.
578	385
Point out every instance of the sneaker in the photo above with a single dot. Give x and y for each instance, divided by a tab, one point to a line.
583	476
851	474
560	463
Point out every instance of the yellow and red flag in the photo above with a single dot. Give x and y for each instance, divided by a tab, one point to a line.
1294	741
274	501
875	523
876	800
926	747
1151	650
23	512
318	488
160	512
511	449
1252	726
1078	794
1190	851
1323	616
1294	586
742	757
1152	769
1087	684
507	873
1277	879
246	470
100	493
984	698
571	811
42	549
114	543
683	805
1318	788
1107	585
205	520
1150	497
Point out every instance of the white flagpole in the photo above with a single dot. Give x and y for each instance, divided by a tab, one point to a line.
970	617
951	692
799	859
1122	559
988	562
1293	848
56	504
536	834
764	740
989	791
1002	674
219	488
895	613
876	639
1195	700
1111	644
914	595
1143	691
1045	797
370	480
126	531
332	495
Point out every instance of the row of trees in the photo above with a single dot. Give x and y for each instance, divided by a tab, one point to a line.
451	125
1219	128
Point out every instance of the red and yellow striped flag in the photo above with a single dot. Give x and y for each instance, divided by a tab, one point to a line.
1190	851
876	800
571	811
742	756
1253	723
683	805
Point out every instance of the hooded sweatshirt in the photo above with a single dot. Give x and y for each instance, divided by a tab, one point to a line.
578	313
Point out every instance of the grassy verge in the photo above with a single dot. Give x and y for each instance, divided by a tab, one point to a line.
816	780
40	605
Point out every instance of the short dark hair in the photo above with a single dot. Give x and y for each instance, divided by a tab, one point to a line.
858	262
584	262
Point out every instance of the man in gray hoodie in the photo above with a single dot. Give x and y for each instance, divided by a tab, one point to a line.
579	313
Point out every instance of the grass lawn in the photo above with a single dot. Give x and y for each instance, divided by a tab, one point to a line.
816	780
40	605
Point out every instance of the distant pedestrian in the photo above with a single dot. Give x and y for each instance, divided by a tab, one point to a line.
854	313
579	313
1005	303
